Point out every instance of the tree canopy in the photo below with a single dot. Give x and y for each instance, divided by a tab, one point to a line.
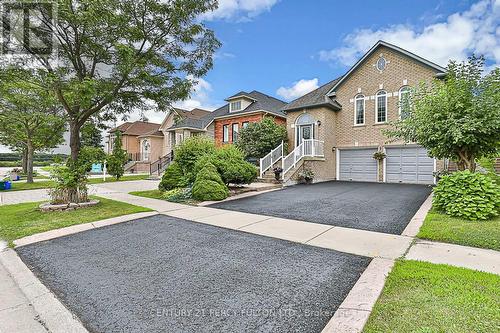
258	139
30	118
116	56
457	117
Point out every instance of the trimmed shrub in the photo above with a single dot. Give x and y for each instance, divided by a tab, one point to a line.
188	153
468	195
232	167
172	178
208	185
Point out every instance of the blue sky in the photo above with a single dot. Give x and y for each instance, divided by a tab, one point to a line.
286	48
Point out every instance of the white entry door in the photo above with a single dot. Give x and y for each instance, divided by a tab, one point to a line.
305	133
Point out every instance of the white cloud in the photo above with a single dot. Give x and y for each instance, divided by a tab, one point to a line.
298	89
475	30
239	9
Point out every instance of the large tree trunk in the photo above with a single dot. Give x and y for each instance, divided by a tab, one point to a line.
24	160
29	162
466	161
74	139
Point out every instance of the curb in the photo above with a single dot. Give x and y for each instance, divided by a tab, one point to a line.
353	313
239	196
56	233
55	316
417	220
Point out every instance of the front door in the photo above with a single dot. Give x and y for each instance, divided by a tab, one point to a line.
305	133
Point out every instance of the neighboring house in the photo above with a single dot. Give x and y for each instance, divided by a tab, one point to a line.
181	124
135	141
335	129
224	124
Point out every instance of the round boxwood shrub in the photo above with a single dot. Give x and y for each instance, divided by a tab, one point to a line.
208	185
468	195
172	178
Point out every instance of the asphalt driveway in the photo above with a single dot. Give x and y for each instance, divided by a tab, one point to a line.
163	274
377	207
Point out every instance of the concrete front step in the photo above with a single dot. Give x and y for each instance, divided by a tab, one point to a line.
269	180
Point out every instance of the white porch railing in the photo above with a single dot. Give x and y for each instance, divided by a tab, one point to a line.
274	156
310	148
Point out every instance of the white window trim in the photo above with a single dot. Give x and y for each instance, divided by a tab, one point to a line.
237	131
399	99
231	109
359	96
224	127
377	95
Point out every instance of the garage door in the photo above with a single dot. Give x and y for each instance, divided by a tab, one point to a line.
409	165
358	165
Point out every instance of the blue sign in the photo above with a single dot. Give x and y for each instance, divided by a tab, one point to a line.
96	168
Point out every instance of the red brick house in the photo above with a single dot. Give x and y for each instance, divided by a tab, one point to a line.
224	124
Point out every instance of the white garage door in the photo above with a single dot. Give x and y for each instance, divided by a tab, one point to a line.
358	165
409	165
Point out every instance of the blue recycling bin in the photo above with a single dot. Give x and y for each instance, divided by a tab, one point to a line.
8	185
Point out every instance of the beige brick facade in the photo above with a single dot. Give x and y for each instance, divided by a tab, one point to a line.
400	71
337	128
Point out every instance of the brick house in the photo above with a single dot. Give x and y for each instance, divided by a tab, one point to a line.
335	129
224	123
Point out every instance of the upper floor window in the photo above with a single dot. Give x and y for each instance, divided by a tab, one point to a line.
381	62
225	133
359	110
235	132
381	107
235	106
404	102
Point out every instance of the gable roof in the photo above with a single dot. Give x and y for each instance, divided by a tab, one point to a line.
261	102
315	98
325	95
136	128
195	113
413	56
241	94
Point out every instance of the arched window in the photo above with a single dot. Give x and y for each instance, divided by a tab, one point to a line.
359	110
304	128
404	102
381	107
304	119
146	150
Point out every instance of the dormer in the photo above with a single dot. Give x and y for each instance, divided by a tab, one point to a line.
240	101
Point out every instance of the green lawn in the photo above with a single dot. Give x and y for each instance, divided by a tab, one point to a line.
20	186
25	219
423	297
443	228
152	194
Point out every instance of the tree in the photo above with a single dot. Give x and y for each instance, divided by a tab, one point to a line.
91	135
120	55
30	119
118	157
456	118
258	139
